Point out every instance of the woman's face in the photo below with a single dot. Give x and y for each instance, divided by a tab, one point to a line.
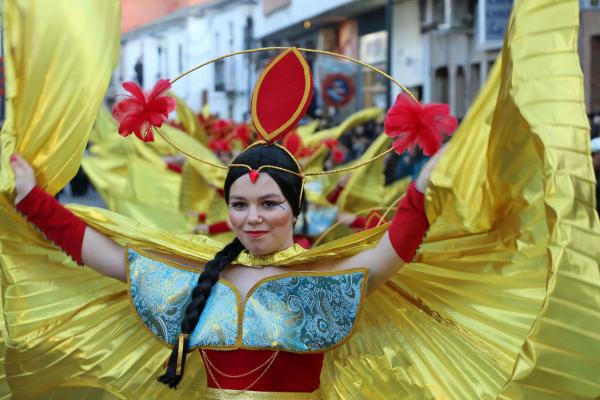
259	215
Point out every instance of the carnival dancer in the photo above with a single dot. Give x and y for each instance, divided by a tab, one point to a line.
262	213
264	190
505	272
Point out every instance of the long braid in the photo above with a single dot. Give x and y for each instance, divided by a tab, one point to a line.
207	279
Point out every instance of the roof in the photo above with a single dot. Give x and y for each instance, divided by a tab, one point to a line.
181	15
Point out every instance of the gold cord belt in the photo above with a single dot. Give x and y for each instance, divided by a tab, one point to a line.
226	394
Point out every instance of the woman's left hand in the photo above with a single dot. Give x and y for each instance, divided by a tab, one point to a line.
24	176
422	181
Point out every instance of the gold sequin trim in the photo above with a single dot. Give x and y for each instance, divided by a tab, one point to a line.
227	394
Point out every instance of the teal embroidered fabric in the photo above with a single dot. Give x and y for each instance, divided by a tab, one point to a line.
303	313
298	312
160	294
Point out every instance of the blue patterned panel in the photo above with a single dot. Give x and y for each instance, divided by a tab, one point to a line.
218	323
160	294
302	313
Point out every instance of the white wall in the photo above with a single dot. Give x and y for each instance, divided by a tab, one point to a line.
146	46
228	27
197	36
408	64
296	12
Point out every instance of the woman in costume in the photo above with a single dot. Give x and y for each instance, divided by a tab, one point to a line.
292	315
500	302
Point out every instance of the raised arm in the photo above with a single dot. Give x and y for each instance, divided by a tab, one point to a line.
84	244
400	243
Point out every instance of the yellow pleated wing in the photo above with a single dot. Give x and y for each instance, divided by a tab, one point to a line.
501	302
69	332
504	298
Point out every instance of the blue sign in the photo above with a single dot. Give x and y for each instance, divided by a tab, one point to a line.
493	17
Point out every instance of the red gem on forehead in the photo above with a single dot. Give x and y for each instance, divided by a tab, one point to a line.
253	175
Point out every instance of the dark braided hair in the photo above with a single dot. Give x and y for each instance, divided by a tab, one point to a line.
291	188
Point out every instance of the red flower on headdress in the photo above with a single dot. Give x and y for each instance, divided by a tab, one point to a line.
414	123
138	113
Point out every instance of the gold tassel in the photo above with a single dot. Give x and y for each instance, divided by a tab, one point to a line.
182	337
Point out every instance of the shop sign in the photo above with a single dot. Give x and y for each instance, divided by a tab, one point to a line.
493	17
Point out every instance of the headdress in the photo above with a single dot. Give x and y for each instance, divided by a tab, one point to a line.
280	98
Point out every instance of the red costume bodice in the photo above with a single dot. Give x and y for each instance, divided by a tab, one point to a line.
289	372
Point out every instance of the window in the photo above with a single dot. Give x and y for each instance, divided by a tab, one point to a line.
432	14
441	85
475	80
459	101
220	76
180	58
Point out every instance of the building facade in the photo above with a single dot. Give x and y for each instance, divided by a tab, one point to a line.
442	50
461	41
589	51
354	28
185	38
137	13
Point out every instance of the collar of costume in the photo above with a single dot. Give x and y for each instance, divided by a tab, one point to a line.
248	260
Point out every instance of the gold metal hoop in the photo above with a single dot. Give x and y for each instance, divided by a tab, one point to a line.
329	53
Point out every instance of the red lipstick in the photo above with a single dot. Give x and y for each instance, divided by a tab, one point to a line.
255	233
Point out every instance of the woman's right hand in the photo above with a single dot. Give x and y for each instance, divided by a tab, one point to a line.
24	176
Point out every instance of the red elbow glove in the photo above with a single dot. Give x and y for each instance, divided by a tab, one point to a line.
57	223
409	225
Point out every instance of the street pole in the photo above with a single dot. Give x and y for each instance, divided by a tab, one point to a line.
388	27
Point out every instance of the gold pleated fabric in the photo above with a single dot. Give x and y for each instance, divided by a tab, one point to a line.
4	388
365	188
65	328
187	117
359	117
133	179
503	299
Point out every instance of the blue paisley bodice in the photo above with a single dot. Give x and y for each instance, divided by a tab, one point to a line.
296	311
